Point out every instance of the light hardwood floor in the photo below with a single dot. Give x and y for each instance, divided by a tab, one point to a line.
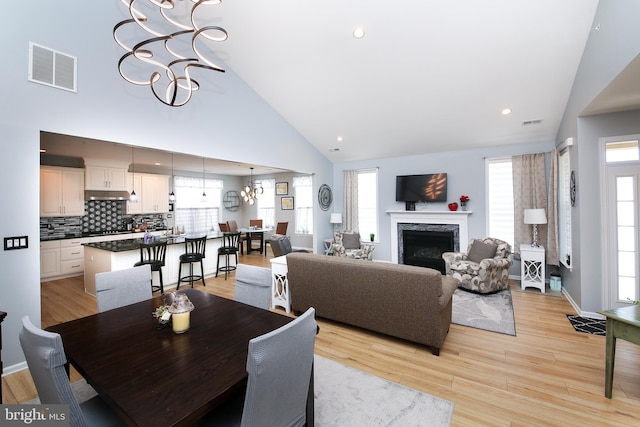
546	375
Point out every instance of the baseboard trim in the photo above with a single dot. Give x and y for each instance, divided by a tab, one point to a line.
8	370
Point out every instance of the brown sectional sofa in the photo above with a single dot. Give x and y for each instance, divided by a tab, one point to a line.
403	301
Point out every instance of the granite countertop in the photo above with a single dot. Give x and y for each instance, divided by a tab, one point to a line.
134	244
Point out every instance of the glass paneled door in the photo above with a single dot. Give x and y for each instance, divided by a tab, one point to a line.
623	232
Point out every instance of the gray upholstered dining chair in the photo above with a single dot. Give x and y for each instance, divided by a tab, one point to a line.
280	365
253	286
122	287
46	360
281	245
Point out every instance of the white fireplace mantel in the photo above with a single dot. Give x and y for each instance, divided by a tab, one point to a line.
459	218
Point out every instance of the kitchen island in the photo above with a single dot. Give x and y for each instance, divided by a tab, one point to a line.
120	254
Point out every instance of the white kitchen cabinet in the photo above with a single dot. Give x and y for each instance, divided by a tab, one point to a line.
106	178
61	191
134	182
49	259
154	193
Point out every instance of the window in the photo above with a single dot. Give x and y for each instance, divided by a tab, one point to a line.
621	151
195	213
303	202
368	202
267	202
564	207
500	199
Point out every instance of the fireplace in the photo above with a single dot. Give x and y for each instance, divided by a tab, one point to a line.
442	226
425	248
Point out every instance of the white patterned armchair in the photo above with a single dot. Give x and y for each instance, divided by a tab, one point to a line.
484	269
347	244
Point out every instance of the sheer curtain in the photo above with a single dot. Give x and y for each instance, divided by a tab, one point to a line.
350	202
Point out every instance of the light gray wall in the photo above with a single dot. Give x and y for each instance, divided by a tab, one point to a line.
607	53
465	175
225	120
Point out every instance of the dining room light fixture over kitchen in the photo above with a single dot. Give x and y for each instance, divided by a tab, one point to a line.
172	195
174	42
204	183
133	198
250	192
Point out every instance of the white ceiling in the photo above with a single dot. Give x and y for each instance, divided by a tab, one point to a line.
430	75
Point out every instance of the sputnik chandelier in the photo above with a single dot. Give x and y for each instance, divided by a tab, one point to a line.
251	191
173	44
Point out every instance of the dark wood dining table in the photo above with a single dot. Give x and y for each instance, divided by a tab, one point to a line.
155	377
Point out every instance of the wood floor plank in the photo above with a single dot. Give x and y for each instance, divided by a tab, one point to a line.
548	374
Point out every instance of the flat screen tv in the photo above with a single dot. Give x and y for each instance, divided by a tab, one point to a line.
430	187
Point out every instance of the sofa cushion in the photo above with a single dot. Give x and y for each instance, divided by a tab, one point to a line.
480	250
351	240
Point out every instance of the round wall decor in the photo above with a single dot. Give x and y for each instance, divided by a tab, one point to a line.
572	188
231	200
325	197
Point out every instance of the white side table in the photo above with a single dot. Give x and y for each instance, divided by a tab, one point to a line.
328	250
533	265
280	283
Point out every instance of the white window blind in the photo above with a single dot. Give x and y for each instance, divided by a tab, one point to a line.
266	202
500	199
564	207
196	214
303	202
368	203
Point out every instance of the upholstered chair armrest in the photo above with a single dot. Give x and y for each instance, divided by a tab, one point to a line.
454	256
367	249
491	263
338	249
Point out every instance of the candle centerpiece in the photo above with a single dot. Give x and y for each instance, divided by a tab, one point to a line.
180	310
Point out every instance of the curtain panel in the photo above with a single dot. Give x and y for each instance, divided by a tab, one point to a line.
529	192
350	201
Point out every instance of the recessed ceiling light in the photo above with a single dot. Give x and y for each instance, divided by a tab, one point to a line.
506	111
340	139
358	33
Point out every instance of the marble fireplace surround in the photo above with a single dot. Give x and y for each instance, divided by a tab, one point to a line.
411	220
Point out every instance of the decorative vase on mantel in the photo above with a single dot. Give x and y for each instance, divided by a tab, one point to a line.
463	206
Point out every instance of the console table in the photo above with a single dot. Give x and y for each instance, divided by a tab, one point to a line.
280	283
2	316
533	264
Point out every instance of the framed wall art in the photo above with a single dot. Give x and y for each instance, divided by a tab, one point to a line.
282	188
286	203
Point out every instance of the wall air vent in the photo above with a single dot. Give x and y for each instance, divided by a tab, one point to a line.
532	122
52	68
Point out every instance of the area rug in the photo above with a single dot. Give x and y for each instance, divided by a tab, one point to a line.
491	312
588	325
345	396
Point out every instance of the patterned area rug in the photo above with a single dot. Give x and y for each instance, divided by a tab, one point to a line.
492	312
345	396
348	397
588	325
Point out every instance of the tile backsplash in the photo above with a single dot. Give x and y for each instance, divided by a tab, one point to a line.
99	216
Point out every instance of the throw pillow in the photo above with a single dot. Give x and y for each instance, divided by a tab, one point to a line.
480	250
351	240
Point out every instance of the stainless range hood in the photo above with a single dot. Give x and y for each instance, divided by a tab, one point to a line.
106	195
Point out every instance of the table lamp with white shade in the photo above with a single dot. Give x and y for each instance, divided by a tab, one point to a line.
336	218
535	217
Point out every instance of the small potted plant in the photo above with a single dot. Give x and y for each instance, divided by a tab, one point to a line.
372	236
463	202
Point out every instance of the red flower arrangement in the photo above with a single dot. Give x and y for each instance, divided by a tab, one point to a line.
464	199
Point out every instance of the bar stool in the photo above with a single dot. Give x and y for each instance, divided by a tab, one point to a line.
153	254
193	252
229	247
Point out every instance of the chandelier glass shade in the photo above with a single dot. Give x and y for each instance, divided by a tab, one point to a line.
250	192
164	42
133	198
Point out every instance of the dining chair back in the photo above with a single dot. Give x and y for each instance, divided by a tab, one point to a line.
229	247
153	254
194	251
232	227
224	227
256	237
46	360
253	286
122	287
280	368
281	230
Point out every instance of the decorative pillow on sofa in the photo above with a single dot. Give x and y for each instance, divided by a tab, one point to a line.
351	240
480	250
